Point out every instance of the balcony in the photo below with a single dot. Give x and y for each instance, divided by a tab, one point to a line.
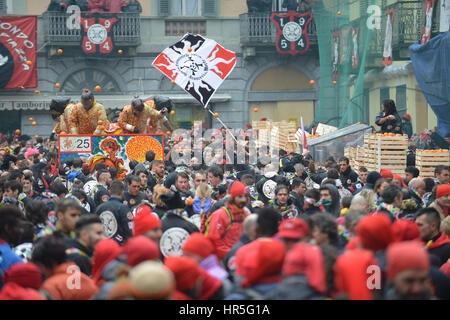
127	31
407	29
258	30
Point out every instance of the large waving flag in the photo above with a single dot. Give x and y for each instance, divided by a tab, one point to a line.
196	64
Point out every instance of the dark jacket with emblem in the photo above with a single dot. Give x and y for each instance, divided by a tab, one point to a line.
117	219
101	196
266	188
347	175
132	201
172	239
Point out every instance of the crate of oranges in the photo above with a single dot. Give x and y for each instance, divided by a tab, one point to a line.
427	160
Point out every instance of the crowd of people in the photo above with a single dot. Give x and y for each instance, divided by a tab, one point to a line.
299	229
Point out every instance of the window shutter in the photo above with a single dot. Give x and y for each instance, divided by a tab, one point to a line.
210	7
163	7
2	6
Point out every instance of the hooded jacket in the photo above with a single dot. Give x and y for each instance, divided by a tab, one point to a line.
335	198
440	246
226	233
348	177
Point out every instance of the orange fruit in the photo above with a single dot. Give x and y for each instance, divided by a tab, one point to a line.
58	85
216	115
86	90
256	109
34	124
37	92
63	133
100	122
17	131
120	51
172	82
339	13
36	137
189	49
172	112
102	128
31	119
312	82
28	63
334	82
168	133
60	51
98	88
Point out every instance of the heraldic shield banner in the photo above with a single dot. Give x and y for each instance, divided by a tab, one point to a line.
292	36
97	38
196	64
112	150
18	52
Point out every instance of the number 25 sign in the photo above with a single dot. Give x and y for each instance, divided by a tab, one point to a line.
75	144
97	37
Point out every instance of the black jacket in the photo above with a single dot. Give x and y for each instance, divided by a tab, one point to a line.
117	219
299	201
133	201
390	125
348	177
295	287
266	188
101	196
79	254
176	230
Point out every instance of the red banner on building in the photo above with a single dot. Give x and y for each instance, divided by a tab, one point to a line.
426	34
97	38
18	52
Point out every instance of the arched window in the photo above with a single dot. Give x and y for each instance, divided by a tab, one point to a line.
89	79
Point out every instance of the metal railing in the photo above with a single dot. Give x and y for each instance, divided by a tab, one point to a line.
257	28
126	31
181	27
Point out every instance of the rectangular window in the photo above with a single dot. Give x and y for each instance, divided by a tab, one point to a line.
187	8
400	100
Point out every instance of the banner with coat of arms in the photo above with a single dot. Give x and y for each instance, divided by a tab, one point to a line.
97	38
292	36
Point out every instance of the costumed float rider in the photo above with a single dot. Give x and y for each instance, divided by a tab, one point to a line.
143	116
60	109
85	116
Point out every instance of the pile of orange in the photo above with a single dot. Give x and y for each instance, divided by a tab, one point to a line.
435	151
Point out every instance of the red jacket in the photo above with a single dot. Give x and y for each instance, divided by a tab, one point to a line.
221	233
82	288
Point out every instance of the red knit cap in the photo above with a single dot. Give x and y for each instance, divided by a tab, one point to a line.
442	190
139	249
386	173
407	116
404	256
405	230
308	260
238	188
397	177
260	260
293	229
350	273
145	221
105	251
185	270
198	244
26	275
374	231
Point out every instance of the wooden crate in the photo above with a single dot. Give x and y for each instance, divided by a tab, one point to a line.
385	152
428	160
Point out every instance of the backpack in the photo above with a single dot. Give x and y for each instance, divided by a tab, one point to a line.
207	220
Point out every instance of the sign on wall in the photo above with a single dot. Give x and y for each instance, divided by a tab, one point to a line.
111	150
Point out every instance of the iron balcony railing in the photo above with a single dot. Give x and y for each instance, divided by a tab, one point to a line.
257	28
127	31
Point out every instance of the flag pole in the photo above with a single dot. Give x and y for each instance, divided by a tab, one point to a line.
218	118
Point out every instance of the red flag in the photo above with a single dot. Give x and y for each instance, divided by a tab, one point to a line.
17	47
